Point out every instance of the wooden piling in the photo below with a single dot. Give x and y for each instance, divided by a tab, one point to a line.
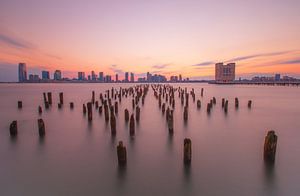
106	113
198	104
71	105
132	125
13	128
90	111
49	94
226	106
20	104
270	147
116	107
113	124
41	126
61	98
187	151
223	102
236	102
126	115
121	153
185	113
40	110
249	104
84	109
137	113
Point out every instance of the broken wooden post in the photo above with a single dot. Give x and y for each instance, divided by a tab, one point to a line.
71	105
93	97
106	113
113	124
223	102
170	121
116	107
13	128
40	110
185	113
132	125
126	115
226	106
201	92
137	113
100	110
90	114
209	105
187	151
236	102
49	98
270	146
198	104
84	109
96	104
214	100
249	104
61	98
41	126
45	98
121	152
59	105
20	104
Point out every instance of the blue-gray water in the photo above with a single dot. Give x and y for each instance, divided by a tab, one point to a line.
78	158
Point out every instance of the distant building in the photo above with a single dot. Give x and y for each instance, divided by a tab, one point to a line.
57	75
277	77
180	77
45	75
34	78
141	79
22	72
107	78
149	77
81	75
89	77
117	78
131	77
126	77
174	79
224	73
101	76
94	76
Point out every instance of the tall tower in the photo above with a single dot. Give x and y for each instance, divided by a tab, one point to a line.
22	72
126	77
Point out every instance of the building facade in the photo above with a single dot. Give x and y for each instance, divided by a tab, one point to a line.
225	73
22	72
57	75
81	76
45	75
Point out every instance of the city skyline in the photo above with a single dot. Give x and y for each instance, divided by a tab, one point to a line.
168	38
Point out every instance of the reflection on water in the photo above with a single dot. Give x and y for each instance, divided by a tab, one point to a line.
226	151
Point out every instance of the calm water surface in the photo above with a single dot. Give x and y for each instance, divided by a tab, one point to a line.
79	158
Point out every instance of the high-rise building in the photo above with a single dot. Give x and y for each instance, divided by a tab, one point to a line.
108	78
22	72
117	78
126	77
34	78
45	75
81	75
131	77
57	75
224	73
277	77
149	77
94	76
101	77
180	77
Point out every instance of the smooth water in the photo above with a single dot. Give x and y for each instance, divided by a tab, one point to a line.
79	158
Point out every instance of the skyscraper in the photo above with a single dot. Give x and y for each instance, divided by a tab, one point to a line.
57	75
149	77
22	72
131	77
224	73
101	77
117	78
81	76
45	75
94	76
126	77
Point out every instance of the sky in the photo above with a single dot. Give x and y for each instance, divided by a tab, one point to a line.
167	37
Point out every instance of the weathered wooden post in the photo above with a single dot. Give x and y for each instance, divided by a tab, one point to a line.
45	98
49	98
170	121
209	105
226	106
40	110
236	102
214	100
116	107
113	124
13	128
106	113
126	115
223	102
59	105
132	125
121	152
201	92
61	98
270	146
96	104
41	126
185	113
84	109
249	104
93	97
198	104
90	114
187	151
71	105
163	108
20	104
46	105
137	113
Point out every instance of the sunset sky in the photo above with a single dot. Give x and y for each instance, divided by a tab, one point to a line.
168	37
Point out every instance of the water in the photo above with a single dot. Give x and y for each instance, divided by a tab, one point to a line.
78	158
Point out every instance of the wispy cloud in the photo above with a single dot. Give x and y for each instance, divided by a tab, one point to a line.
15	42
161	66
206	63
292	61
247	57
